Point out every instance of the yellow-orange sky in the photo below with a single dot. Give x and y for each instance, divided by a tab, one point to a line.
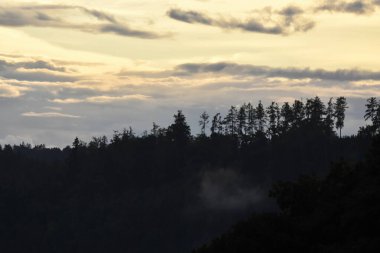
65	65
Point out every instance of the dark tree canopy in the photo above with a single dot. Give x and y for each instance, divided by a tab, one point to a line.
179	131
167	190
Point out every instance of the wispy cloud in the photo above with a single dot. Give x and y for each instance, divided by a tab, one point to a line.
54	108
100	99
285	21
51	16
49	115
234	69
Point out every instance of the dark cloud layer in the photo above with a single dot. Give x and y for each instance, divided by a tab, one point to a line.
247	70
39	71
190	16
292	73
285	21
40	65
357	6
45	16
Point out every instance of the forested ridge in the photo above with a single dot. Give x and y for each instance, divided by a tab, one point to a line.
169	191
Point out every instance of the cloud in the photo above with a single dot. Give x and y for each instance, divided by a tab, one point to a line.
288	20
124	30
188	70
100	99
357	6
49	115
11	91
51	64
51	16
39	71
227	68
54	108
190	16
40	65
284	22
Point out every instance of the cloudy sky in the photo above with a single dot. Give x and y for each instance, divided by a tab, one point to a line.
88	67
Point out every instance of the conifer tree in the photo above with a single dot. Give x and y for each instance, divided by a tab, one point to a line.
273	112
340	107
251	119
179	131
260	117
287	117
330	114
315	110
231	121
373	112
371	105
298	112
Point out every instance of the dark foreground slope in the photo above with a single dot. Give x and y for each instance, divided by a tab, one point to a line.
149	194
340	213
169	191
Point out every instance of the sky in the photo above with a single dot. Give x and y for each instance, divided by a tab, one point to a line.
88	67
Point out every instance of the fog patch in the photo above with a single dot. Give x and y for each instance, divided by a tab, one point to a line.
227	189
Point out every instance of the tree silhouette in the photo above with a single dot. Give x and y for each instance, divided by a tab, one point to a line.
251	119
340	107
179	131
242	121
330	114
287	117
155	130
216	124
298	112
315	110
261	117
373	112
203	122
98	142
231	121
273	112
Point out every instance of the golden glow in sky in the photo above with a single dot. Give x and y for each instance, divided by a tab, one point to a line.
91	66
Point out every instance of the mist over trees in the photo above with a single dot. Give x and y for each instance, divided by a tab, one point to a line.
335	213
170	191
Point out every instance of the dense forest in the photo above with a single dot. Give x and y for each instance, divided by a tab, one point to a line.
310	188
337	213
